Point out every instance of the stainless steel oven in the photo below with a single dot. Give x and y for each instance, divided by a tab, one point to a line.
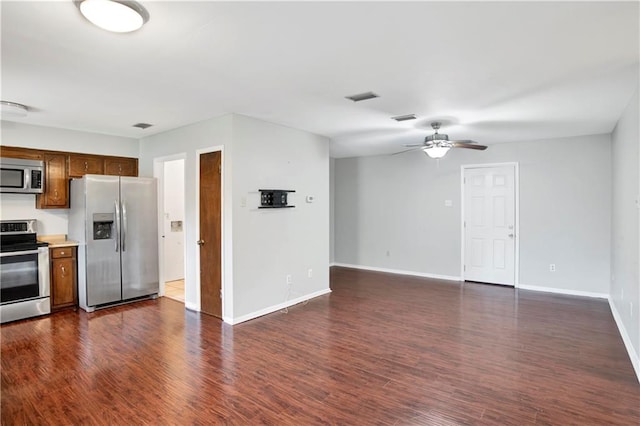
24	272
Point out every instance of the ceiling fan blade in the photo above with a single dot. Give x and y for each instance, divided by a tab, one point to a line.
469	146
466	141
407	150
415	144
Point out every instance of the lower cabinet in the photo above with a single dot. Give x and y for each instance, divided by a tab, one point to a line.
64	278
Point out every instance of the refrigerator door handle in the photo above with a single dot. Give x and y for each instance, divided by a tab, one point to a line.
117	230
124	225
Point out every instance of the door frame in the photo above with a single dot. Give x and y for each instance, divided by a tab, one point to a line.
158	173
516	184
226	294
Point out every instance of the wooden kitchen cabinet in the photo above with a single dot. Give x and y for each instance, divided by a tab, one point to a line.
80	165
64	278
56	183
61	166
120	166
22	153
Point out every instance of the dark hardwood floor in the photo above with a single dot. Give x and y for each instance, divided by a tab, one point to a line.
381	349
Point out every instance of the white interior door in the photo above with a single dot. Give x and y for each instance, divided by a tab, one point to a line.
489	224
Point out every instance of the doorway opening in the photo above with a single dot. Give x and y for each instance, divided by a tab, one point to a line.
170	172
490	223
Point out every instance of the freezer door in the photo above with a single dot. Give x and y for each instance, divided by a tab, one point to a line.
139	236
103	282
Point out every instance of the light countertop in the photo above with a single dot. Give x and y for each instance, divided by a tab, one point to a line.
57	241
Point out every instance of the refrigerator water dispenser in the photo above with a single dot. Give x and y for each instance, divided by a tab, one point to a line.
103	226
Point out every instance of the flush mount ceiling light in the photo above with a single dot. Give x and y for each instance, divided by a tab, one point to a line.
117	16
12	109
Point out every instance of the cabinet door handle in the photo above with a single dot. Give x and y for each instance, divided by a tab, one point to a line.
86	166
64	271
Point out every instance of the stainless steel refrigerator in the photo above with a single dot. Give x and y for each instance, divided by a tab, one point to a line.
115	221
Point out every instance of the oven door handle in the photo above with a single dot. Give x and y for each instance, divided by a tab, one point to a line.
18	253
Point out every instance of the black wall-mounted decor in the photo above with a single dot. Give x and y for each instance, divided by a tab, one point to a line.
274	198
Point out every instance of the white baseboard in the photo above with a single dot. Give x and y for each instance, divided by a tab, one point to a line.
277	307
563	291
192	307
635	360
399	272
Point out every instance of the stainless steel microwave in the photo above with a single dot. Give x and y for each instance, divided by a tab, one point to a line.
21	176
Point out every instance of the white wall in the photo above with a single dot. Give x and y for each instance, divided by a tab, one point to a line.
268	245
395	204
187	140
260	247
625	278
332	209
173	211
55	139
22	206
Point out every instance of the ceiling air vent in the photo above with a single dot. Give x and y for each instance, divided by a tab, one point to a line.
404	117
142	125
362	96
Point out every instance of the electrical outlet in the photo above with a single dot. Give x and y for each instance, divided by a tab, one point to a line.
552	267
310	273
388	253
289	280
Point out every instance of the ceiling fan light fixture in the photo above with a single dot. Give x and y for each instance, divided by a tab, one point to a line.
438	144
118	16
12	109
436	151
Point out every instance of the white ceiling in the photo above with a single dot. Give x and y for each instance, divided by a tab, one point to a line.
492	72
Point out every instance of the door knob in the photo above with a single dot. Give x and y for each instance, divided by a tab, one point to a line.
510	235
200	242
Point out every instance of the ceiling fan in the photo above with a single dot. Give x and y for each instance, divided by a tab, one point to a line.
438	144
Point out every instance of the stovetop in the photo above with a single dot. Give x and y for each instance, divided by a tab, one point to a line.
5	248
19	235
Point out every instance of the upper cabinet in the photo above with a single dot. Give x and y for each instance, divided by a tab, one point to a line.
120	166
61	166
80	165
22	153
56	183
